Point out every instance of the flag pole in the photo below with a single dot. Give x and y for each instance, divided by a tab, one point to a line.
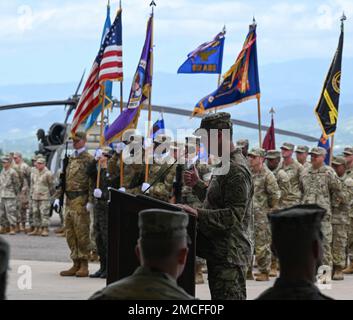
121	110
153	4
101	136
259	120
331	148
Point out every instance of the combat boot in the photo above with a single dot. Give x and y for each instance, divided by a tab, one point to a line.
83	271
249	275
338	274
104	274
262	277
34	231
59	230
273	272
72	271
45	232
12	230
8	229
17	228
22	227
29	230
349	269
97	274
2	230
39	232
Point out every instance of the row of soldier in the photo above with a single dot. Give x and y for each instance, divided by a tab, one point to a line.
281	181
25	195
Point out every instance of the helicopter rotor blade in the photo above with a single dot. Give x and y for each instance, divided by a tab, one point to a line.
80	83
38	104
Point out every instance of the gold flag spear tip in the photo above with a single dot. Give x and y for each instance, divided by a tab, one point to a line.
224	29
254	21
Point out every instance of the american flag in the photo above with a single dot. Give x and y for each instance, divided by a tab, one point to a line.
108	65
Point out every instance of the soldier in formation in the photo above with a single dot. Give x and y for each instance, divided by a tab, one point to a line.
266	199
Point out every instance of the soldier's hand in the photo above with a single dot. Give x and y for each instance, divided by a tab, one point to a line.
97	193
191	177
188	209
56	205
89	206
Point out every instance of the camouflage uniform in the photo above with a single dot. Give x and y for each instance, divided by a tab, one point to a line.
148	283
282	178
143	284
224	221
42	189
303	149
340	218
320	186
349	174
9	191
25	175
266	198
78	191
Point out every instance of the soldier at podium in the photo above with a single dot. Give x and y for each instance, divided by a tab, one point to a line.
224	220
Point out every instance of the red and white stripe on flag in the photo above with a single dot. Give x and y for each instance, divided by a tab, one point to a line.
111	66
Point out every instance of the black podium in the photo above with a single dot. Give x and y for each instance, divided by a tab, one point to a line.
123	233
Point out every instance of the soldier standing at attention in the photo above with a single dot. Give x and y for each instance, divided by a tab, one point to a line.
225	217
273	158
302	153
340	219
9	191
297	241
42	182
348	155
101	208
266	198
162	251
79	199
25	173
294	170
320	186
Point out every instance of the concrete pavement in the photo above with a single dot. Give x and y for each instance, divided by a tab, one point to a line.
46	284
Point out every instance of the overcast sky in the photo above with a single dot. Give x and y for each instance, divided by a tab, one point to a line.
53	41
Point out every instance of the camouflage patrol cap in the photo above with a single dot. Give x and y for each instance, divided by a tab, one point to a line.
79	135
287	146
298	218
302	149
17	154
339	160
257	152
220	120
36	156
41	160
318	151
162	224
348	151
6	158
273	154
242	143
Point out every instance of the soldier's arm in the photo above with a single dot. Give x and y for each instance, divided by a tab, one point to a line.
273	191
236	187
50	183
200	190
336	190
16	182
284	184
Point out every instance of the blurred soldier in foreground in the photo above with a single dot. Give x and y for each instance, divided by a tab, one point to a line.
4	265
297	241
79	199
25	177
340	219
302	153
42	182
244	145
9	191
162	251
320	186
266	199
225	218
294	170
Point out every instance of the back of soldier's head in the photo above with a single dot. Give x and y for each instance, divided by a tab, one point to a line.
162	233
294	232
